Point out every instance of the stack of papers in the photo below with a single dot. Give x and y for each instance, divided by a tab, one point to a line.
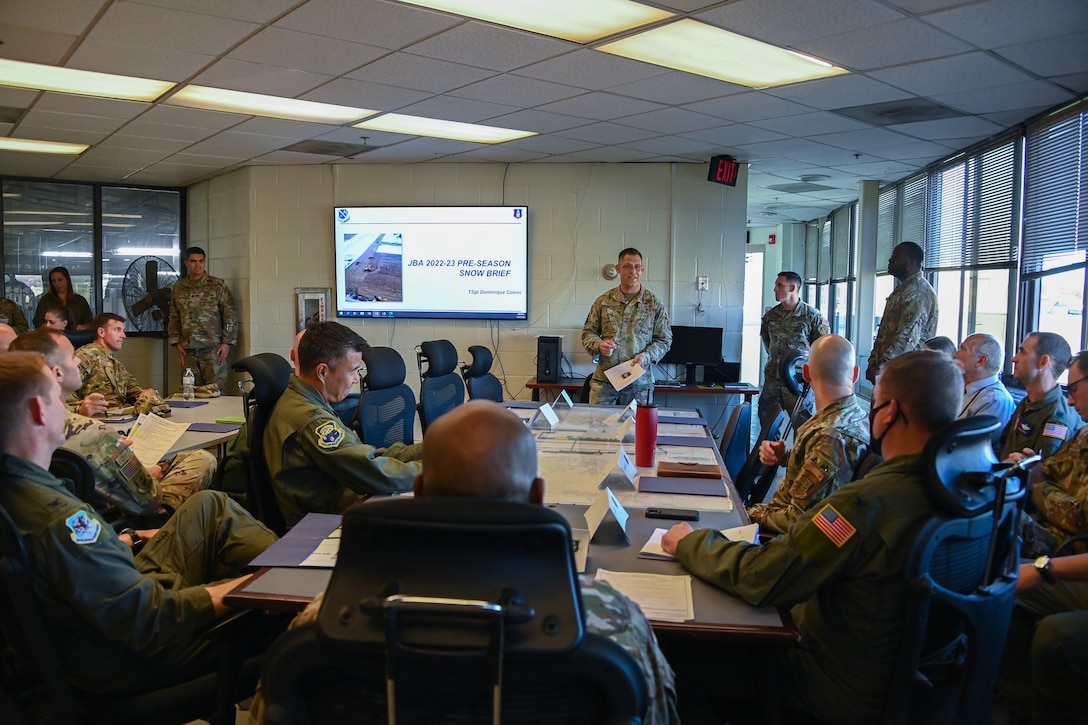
152	437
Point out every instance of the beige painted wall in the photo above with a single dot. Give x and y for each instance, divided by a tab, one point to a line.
269	229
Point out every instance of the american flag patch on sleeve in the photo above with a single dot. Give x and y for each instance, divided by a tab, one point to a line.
1055	430
834	526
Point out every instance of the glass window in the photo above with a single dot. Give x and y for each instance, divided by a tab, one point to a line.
1061	306
991	299
883	287
839	323
949	287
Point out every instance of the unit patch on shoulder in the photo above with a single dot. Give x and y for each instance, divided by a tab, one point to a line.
1056	430
329	435
85	530
834	525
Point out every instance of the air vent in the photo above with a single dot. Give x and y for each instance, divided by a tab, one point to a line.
891	113
330	148
800	188
8	114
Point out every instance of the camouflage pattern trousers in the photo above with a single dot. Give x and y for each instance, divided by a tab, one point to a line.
205	367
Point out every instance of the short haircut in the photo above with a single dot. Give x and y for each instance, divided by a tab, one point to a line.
1054	345
22	377
1080	361
928	384
629	252
913	251
103	320
42	341
791	278
193	250
989	346
940	344
62	312
329	343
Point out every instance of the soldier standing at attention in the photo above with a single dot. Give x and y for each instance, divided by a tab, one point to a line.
789	325
910	314
626	323
202	322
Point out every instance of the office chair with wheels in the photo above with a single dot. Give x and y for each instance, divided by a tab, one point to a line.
440	388
962	573
348	410
750	472
473	613
35	689
269	374
478	378
734	443
387	406
69	464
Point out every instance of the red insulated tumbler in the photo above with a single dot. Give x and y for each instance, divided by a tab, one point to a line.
645	434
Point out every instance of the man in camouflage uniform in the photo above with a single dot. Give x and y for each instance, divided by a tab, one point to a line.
202	323
12	314
482	450
315	462
626	323
790	325
841	566
1060	497
120	478
103	374
828	445
910	313
1043	420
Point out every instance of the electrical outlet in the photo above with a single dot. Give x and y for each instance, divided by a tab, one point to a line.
702	283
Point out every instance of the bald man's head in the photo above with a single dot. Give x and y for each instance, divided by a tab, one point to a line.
7	334
831	361
480	449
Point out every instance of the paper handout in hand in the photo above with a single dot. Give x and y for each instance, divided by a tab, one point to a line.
624	374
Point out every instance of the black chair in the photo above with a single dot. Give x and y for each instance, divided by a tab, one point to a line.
80	338
440	388
473	612
387	406
585	389
869	460
35	689
269	374
69	464
751	472
962	574
734	442
478	378
348	410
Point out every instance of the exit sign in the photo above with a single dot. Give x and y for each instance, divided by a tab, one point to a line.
723	170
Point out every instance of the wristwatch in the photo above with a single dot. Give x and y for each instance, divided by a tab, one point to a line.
1042	565
138	543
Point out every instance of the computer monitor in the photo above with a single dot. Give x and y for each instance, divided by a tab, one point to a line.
693	346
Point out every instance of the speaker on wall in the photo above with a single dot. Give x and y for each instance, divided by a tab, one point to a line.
549	353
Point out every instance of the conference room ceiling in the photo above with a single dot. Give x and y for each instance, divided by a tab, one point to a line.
926	78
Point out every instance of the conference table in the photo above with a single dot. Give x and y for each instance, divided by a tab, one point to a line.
573	386
200	414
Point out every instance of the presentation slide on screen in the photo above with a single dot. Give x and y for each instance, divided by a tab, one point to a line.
431	262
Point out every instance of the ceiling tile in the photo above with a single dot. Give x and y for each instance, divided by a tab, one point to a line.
499	155
1068	54
949	128
900	41
516	91
88	106
673	146
676	88
609	154
62	135
591	69
998	23
763	19
178	116
284	129
867	140
949	75
145	143
361	94
405	70
122	58
256	11
306	52
1006	98
371	22
671	120
59	16
607	133
734	135
17	97
70	122
489	46
126	22
839	92
600	106
551	144
751	106
34	46
234	145
240	75
449	108
810	124
539	121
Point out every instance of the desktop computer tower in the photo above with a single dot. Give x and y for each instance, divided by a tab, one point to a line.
549	354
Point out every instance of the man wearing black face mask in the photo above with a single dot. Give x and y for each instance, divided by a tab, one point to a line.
841	565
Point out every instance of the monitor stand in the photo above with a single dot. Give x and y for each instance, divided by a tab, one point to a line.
689	375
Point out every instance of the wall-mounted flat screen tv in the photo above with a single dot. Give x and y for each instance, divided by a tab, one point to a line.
464	262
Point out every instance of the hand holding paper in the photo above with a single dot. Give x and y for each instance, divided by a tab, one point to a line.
624	374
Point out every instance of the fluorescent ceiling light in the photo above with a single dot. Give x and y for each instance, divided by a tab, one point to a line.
436	128
50	213
104	224
80	82
42	147
140	251
60	253
258	104
125	216
695	47
575	20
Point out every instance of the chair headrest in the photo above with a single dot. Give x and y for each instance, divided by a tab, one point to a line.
384	368
789	371
481	362
462	548
441	357
80	338
959	463
270	373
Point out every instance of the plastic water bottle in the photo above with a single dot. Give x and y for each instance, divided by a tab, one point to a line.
188	380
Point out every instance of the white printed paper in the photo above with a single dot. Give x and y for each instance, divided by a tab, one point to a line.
624	374
661	597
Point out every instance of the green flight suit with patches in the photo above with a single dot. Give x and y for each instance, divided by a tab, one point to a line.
640	325
1041	426
828	448
318	465
841	569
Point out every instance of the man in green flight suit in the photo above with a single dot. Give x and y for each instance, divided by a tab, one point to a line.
202	322
827	446
840	567
792	324
626	323
910	313
316	463
1044	419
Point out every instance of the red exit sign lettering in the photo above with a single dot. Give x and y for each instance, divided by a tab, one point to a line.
723	170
